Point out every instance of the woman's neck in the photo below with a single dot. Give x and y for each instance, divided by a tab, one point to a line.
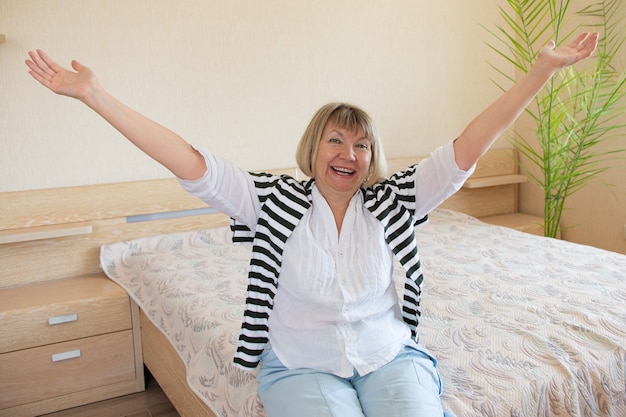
339	207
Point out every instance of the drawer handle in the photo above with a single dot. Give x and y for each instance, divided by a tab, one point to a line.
62	319
58	357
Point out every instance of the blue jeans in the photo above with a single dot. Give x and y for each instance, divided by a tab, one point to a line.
409	385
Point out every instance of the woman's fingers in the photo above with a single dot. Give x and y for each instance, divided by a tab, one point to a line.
38	73
40	66
49	63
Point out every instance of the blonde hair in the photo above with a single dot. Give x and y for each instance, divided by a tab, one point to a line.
345	116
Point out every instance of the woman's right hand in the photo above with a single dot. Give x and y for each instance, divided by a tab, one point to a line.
77	84
160	143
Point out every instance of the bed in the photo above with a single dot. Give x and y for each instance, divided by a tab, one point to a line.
522	325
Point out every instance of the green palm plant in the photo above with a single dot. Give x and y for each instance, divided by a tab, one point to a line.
578	109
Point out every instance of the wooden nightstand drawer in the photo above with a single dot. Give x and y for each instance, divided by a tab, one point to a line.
42	314
518	221
51	371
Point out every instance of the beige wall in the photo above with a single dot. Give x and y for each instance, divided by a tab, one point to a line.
242	78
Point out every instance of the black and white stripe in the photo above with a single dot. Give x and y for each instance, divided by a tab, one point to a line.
283	203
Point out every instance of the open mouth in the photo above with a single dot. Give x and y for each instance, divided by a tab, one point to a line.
345	172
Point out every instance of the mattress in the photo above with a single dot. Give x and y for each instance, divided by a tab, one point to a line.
521	325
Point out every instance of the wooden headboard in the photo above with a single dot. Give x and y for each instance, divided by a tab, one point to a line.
56	233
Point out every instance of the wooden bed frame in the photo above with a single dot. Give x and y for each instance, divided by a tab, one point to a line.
56	234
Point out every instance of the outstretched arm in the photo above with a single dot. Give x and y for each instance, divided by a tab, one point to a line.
480	134
160	143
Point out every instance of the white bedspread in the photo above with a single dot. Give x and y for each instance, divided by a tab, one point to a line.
521	325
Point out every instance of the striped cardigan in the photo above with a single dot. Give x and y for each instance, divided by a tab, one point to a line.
284	201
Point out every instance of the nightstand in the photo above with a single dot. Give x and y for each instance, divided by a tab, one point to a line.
518	221
66	343
491	194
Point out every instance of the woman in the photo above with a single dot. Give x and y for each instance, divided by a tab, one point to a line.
332	339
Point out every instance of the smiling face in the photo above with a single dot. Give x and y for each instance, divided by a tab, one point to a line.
341	148
342	162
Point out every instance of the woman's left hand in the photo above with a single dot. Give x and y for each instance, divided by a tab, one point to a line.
564	56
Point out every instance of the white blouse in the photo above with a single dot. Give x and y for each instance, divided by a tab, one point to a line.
337	307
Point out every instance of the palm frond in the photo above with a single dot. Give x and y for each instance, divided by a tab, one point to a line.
578	110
